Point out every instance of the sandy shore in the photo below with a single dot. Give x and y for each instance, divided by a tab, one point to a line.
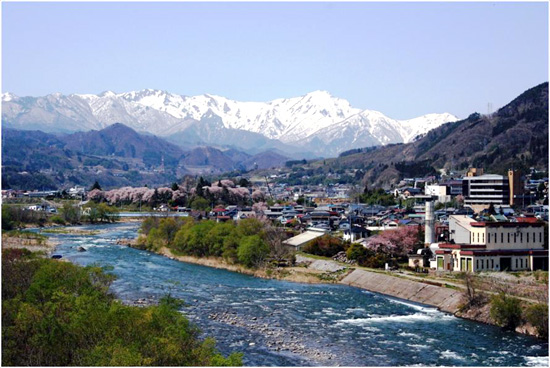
294	274
34	245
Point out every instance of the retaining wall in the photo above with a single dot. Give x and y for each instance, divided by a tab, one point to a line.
446	299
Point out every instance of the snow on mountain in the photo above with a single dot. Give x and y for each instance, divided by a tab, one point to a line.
412	128
372	128
316	118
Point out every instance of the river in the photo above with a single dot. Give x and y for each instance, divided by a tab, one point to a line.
277	323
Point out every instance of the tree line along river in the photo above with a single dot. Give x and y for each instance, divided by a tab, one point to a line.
277	323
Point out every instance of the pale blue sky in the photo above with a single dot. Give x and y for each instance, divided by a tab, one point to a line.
403	59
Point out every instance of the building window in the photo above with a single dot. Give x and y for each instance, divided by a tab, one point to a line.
515	237
492	263
527	239
502	237
521	237
478	237
516	263
508	237
477	264
540	237
483	238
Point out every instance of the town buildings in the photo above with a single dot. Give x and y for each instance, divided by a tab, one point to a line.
493	246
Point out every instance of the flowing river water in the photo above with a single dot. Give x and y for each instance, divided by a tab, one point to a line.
277	323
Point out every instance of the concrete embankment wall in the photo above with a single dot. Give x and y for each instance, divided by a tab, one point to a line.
447	300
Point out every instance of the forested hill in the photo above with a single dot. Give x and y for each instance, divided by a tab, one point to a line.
515	136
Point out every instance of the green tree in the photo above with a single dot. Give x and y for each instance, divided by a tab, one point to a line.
357	252
199	203
216	237
7	220
326	246
70	213
95	186
506	311
58	314
243	183
250	226
192	239
252	251
537	315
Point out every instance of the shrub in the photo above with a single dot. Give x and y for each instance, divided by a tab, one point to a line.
70	213
148	224
506	311
541	276
356	252
252	251
57	220
537	315
58	314
378	260
326	246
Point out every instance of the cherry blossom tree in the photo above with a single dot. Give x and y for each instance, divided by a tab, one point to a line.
397	242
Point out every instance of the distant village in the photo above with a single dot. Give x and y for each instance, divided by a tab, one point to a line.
479	222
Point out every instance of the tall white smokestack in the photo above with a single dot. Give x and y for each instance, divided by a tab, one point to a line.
429	228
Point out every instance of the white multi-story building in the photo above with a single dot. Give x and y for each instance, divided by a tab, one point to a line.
493	246
440	191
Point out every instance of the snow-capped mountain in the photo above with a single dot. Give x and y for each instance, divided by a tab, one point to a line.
316	122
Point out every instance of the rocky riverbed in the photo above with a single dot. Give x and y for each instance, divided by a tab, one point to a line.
276	338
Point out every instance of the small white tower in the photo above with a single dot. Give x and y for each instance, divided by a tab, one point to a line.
429	229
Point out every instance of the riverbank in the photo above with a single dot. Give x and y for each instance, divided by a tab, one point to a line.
32	242
445	297
293	274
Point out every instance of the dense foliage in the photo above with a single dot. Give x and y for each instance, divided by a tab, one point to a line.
16	216
377	196
366	257
56	313
537	315
506	311
250	242
325	246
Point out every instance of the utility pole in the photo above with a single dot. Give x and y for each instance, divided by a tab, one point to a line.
268	189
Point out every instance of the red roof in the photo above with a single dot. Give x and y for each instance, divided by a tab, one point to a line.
531	220
218	209
507	224
506	252
461	246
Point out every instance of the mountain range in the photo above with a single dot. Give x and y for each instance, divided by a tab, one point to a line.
115	156
314	125
514	137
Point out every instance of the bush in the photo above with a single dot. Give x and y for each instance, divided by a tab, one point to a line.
357	252
15	216
537	315
377	260
199	203
7	220
57	220
70	213
506	311
325	246
541	276
252	251
58	314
